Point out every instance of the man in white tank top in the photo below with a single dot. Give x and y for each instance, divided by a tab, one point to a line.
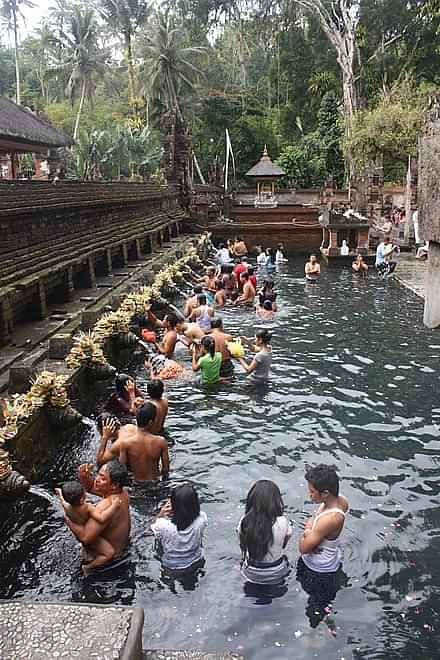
320	543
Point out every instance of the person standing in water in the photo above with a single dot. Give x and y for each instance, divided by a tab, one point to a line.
203	314
258	369
209	363
221	340
179	529
155	389
359	265
312	269
320	562
264	533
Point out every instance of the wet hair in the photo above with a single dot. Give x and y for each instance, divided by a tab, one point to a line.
219	285
172	320
201	299
313	255
229	268
210	269
118	472
245	275
145	414
267	305
251	270
104	418
268	284
234	295
155	389
73	492
244	258
264	335
323	477
185	505
208	344
263	506
198	289
121	381
217	322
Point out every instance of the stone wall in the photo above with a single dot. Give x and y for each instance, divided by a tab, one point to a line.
429	208
57	239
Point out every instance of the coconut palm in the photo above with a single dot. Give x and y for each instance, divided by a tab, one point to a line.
81	57
10	13
125	17
168	70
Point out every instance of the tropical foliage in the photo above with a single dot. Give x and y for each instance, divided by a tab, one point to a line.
260	69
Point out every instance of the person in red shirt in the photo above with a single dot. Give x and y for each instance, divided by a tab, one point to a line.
239	269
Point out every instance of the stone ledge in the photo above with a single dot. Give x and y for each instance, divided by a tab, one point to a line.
45	631
190	655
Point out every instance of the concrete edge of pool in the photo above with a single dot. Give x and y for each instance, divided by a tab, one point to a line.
45	631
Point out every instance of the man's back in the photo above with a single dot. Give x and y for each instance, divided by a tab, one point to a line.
161	406
144	452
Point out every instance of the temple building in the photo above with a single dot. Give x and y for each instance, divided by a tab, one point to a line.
266	175
22	131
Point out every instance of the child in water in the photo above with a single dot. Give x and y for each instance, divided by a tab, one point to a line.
264	533
73	500
155	389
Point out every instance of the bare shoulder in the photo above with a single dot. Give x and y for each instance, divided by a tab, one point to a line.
159	440
127	430
343	503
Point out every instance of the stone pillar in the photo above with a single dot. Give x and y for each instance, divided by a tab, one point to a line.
6	320
91	276
42	299
108	256
124	253
431	316
138	250
70	286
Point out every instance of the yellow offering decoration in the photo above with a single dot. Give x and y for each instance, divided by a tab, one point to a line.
235	348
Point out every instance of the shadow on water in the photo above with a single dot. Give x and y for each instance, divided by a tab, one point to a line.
353	375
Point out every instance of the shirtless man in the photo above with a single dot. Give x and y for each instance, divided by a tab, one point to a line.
221	339
168	344
110	481
312	269
192	302
248	295
240	247
191	331
155	389
136	446
209	282
220	296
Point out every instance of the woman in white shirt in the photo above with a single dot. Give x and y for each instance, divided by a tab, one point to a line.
179	529
264	533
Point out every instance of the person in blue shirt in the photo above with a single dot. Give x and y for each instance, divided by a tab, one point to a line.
385	264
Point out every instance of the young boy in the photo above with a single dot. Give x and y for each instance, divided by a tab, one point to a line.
73	499
155	389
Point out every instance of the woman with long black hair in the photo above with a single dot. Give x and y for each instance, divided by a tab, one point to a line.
264	533
179	528
209	363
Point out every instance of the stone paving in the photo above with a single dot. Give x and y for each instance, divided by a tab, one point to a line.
411	272
190	655
43	631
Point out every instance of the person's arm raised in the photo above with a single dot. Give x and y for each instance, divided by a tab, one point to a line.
104	453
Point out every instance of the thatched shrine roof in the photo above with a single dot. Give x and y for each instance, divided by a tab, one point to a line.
22	130
265	168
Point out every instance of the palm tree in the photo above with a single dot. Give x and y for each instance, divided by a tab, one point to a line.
168	69
10	12
125	17
81	57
